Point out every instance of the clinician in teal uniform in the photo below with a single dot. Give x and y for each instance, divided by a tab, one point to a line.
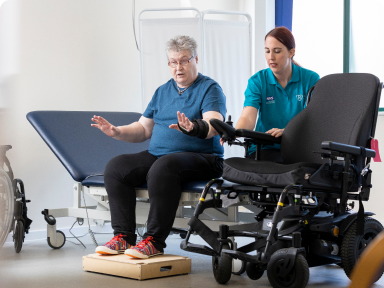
277	93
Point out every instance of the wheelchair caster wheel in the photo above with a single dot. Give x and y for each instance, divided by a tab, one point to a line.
353	245
253	271
296	278
222	267
242	267
60	240
18	236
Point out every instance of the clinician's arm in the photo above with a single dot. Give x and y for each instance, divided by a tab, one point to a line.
134	133
188	125
247	119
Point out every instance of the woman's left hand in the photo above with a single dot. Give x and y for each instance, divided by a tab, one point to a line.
183	122
275	132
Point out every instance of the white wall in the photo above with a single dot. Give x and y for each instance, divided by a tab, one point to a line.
365	25
71	55
318	30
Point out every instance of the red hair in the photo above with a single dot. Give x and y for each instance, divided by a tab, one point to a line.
284	36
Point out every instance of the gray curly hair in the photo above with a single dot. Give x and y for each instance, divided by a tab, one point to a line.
180	43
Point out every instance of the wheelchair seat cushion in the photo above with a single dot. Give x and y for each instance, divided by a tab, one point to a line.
264	173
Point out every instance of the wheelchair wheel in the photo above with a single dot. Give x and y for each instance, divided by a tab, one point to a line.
6	206
18	236
253	271
242	268
222	267
353	245
297	278
60	240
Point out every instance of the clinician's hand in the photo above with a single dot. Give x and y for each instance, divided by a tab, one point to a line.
183	122
275	132
105	126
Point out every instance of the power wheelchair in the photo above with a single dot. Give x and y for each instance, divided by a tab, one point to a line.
305	219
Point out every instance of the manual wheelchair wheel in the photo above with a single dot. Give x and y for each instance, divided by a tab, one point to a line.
18	235
353	245
60	240
253	271
222	267
6	206
297	278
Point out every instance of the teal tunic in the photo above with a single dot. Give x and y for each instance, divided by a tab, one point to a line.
277	106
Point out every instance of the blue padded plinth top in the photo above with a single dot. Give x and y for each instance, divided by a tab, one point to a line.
82	149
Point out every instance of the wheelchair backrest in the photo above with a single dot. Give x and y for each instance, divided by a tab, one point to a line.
343	108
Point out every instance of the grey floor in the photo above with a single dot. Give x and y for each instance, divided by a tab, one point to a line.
37	265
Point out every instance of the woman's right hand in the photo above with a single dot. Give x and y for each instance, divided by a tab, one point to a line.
105	126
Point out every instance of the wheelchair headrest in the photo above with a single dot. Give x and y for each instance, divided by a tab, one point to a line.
342	109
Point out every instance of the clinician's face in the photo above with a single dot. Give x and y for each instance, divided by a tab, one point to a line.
186	74
278	57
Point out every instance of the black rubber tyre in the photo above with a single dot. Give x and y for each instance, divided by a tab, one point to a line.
353	245
18	236
297	278
222	267
253	271
61	240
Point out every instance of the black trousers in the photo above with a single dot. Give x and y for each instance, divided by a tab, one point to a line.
164	177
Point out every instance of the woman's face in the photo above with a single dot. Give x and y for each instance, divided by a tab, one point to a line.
278	57
183	75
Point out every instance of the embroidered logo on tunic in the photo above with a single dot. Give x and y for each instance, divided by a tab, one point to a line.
299	97
270	100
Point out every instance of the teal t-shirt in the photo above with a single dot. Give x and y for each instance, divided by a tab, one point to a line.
202	96
277	106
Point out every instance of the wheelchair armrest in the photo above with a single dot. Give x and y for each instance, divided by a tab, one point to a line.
349	149
225	131
258	136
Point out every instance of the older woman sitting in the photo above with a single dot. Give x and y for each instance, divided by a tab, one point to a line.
172	157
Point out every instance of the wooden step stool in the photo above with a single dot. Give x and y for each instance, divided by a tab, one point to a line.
140	269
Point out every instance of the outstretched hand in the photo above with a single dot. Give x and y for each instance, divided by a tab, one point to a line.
275	132
105	126
183	122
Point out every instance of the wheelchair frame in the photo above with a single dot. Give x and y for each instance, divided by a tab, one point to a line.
308	235
100	213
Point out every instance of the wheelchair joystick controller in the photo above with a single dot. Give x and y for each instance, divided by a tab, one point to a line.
229	122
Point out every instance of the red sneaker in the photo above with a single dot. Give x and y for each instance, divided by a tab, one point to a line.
115	246
144	249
